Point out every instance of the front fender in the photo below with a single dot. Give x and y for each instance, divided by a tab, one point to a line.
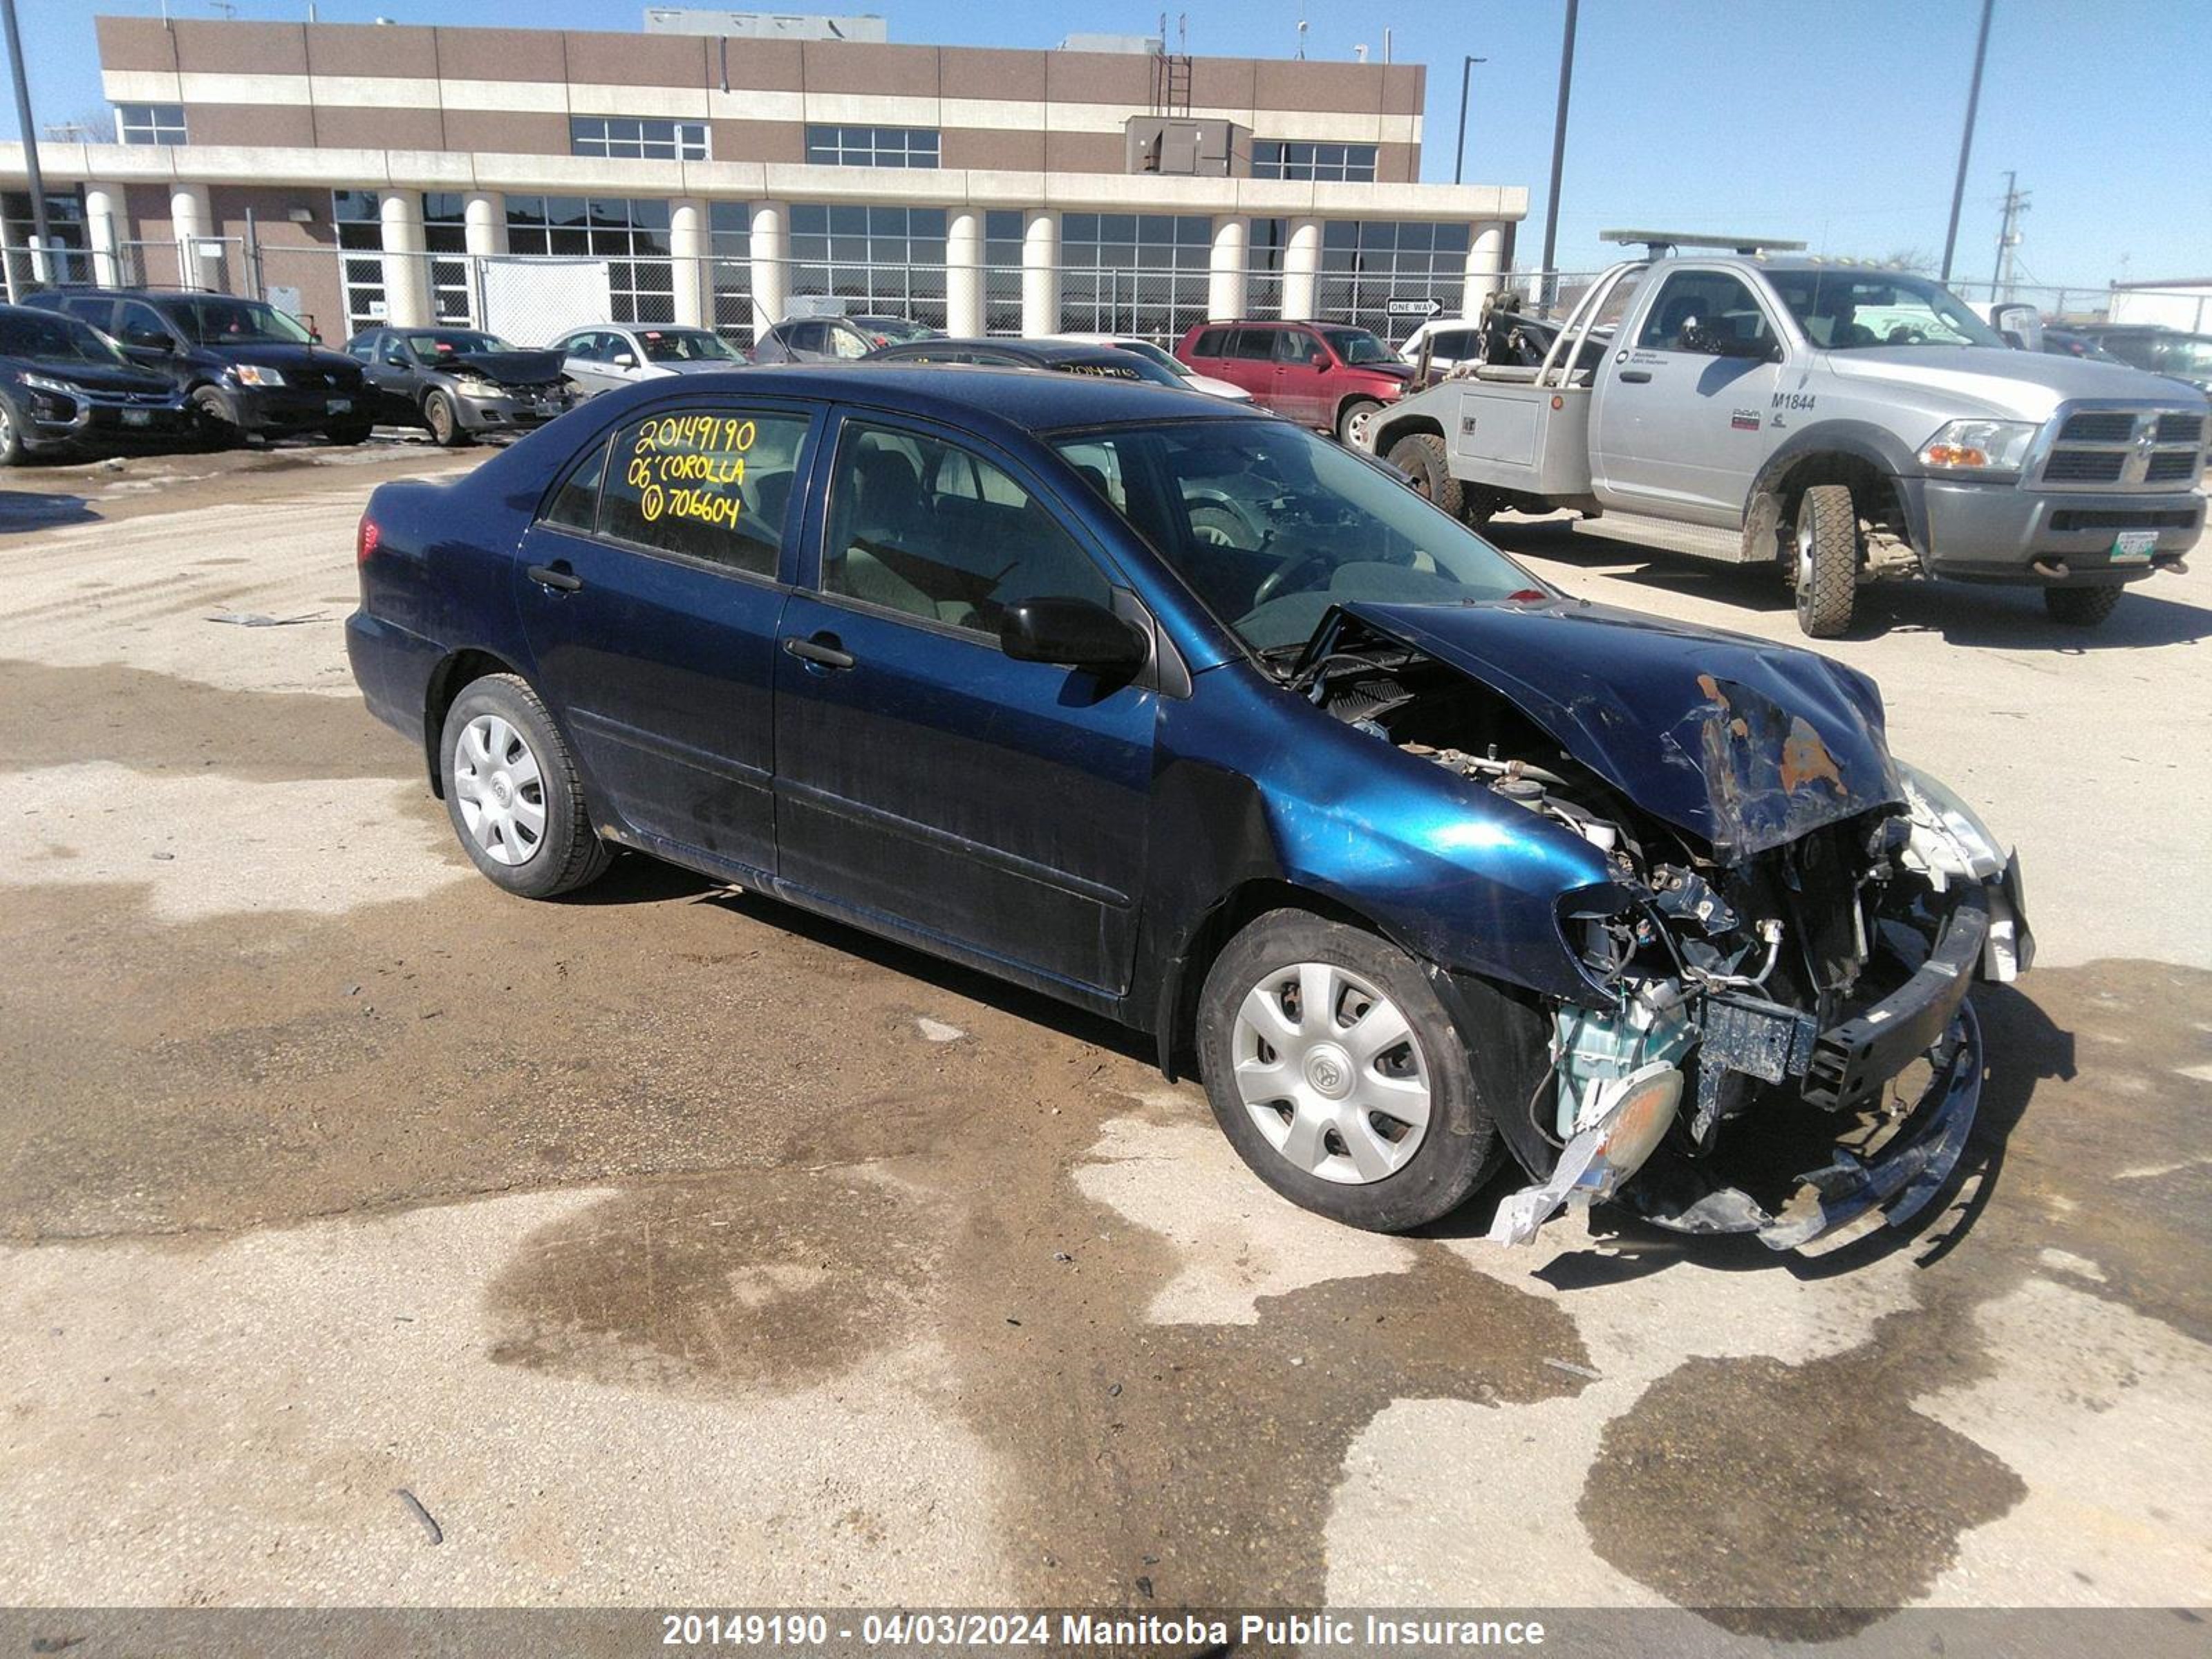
1861	441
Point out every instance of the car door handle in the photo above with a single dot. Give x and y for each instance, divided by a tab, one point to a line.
558	577
822	650
1636	376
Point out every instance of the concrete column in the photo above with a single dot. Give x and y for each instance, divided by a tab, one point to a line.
1040	272
1301	268
1485	265
191	219
688	246
767	248
105	216
1224	277
483	223
963	273
406	268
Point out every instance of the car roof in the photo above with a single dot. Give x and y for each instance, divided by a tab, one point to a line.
974	394
1040	351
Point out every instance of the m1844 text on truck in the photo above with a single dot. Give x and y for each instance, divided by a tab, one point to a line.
1838	420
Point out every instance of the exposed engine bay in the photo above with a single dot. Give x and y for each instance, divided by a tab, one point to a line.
1813	944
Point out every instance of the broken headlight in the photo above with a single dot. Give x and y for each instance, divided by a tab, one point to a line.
1948	838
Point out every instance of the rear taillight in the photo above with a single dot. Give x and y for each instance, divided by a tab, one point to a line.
365	539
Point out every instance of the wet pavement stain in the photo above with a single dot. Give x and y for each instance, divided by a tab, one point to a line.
1795	1503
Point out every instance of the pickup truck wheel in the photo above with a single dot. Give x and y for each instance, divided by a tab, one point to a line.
1422	458
1337	1074
1352	422
513	793
2080	607
1826	544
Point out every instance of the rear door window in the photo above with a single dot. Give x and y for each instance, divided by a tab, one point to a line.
1252	344
712	483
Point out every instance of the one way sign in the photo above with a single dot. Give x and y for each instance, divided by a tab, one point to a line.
1397	307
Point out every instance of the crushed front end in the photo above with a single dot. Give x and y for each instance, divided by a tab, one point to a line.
1778	966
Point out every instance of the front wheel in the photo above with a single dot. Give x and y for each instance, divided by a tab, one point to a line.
211	420
1338	1076
2080	607
1825	544
1352	422
349	432
12	452
444	422
513	793
1420	456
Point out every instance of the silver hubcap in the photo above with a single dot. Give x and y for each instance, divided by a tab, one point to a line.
1327	1067
500	791
1804	555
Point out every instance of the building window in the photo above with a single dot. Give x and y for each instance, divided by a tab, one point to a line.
445	231
1133	273
1364	262
1279	158
67	258
150	124
1002	271
634	138
881	260
730	231
632	235
872	147
360	256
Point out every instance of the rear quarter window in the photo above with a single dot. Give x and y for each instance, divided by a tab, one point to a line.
1210	344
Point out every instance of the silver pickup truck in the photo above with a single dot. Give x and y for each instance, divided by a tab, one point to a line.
1835	420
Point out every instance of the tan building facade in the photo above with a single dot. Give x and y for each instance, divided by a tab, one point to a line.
369	173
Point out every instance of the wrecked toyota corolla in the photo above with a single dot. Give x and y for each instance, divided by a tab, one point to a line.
1191	718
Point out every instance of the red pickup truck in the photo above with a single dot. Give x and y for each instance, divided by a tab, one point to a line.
1331	376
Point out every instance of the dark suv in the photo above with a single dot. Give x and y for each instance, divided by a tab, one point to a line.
244	367
1331	376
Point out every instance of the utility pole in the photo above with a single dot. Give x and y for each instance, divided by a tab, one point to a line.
1550	278
1966	138
1459	156
38	232
2015	203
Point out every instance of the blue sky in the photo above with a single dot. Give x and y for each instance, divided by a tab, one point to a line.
1836	122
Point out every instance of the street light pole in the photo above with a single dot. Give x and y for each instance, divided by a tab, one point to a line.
1459	156
30	131
1559	156
1966	138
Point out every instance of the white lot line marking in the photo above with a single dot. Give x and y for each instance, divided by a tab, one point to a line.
2101	1410
294	1376
2152	1171
1237	1240
138	593
1436	1469
207	846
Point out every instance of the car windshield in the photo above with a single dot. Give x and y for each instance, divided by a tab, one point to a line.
46	338
456	343
1158	356
219	321
1357	345
897	331
2189	356
1271	525
687	345
1848	311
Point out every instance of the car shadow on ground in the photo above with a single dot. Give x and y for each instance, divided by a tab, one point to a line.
1965	614
22	510
2022	1046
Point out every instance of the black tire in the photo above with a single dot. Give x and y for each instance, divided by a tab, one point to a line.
1458	1143
444	421
1350	412
1825	545
1478	506
12	452
349	432
2080	607
211	419
568	854
1421	456
1224	526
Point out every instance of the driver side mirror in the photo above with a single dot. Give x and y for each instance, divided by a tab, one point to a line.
625	360
148	339
1073	633
395	357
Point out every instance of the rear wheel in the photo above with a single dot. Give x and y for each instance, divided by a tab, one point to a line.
11	436
513	793
2080	607
1352	422
348	432
1338	1076
1422	458
1825	545
444	422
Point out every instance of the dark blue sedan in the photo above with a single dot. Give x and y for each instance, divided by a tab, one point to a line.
1191	718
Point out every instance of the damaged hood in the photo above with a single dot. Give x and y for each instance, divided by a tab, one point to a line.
1744	744
506	367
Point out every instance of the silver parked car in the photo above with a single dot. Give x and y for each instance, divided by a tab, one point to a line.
611	355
